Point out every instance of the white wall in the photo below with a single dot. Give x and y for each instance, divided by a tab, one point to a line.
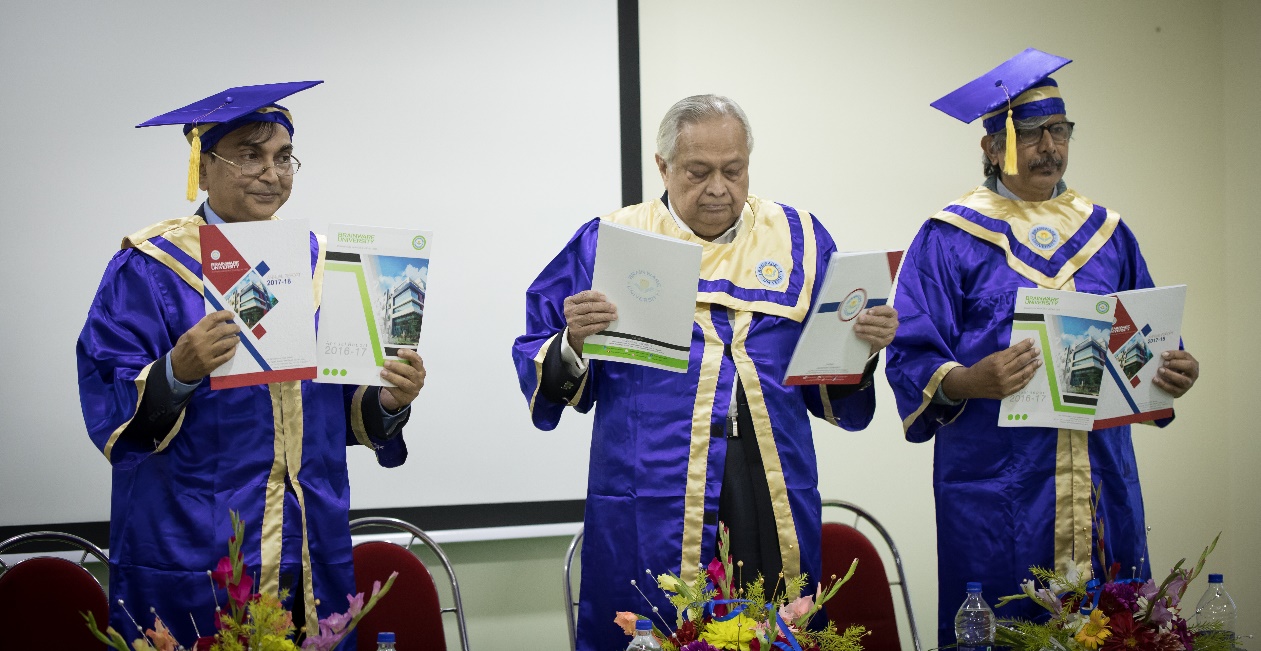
838	96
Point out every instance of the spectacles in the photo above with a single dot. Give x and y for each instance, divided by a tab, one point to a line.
1060	132
285	165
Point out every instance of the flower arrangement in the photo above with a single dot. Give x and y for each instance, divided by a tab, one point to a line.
715	613
254	622
1115	614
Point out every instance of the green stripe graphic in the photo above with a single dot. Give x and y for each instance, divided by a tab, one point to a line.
638	355
1040	329
357	270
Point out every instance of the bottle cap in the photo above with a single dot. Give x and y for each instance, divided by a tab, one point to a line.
385	637
1214	578
643	625
974	586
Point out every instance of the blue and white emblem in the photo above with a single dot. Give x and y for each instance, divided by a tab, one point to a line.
852	305
643	285
770	274
1044	238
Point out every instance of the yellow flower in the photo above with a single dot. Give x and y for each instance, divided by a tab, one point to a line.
1095	631
733	634
669	583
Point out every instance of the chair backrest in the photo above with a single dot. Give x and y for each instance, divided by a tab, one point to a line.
571	603
42	598
413	609
868	597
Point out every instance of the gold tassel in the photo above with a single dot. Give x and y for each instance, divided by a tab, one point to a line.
1009	165
194	165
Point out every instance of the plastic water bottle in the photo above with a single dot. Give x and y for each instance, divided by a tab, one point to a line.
385	641
643	640
1216	606
975	625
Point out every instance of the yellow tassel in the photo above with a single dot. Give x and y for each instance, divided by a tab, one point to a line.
194	166
1009	165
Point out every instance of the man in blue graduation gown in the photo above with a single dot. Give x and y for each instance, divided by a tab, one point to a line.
672	454
1009	498
184	455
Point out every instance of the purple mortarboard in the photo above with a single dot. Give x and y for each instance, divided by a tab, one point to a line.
208	120
1020	87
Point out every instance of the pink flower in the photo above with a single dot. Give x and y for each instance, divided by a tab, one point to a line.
719	576
222	572
241	592
356	605
797	608
162	638
627	621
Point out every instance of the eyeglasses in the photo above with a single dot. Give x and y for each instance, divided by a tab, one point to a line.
285	165
1060	132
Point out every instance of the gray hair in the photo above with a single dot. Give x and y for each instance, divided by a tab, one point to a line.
694	109
998	144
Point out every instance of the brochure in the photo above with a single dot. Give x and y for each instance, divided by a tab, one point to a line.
261	271
373	303
652	280
1071	330
828	351
1148	323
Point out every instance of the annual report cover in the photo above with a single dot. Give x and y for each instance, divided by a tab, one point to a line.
1148	323
1071	330
261	271
652	280
828	351
375	281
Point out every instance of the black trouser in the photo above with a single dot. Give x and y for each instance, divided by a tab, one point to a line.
744	505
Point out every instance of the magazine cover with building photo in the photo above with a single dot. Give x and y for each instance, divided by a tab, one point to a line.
1071	330
373	305
261	271
1148	323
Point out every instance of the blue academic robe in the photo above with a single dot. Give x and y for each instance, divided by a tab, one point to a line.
274	453
656	467
1009	498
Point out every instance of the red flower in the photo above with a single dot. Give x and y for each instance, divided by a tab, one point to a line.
1127	635
719	577
223	572
684	634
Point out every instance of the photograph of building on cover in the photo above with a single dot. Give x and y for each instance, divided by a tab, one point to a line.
1133	355
397	285
250	299
1082	346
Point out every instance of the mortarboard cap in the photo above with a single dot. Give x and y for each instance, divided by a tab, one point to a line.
208	120
1020	87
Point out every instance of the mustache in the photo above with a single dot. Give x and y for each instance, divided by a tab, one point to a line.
1047	162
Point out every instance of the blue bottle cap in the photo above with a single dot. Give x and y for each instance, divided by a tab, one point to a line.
974	586
643	625
384	637
1214	578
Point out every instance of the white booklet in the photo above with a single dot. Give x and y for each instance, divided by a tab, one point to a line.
652	280
1071	330
375	281
1148	323
828	351
261	271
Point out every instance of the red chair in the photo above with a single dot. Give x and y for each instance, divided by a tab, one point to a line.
413	609
42	597
867	598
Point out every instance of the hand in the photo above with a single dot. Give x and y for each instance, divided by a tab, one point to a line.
407	378
996	376
1177	373
205	347
877	326
587	313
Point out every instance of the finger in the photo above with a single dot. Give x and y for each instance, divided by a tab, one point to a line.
1022	346
1187	367
404	389
1174	378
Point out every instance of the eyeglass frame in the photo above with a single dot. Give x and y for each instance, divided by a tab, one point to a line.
1045	128
296	165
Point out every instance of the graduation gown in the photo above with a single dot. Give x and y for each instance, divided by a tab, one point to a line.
1009	498
275	453
657	449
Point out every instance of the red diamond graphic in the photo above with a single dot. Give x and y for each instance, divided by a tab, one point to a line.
258	331
1134	382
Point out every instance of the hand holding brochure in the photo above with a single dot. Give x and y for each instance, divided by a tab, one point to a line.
261	271
652	280
375	281
828	351
1071	330
1148	323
